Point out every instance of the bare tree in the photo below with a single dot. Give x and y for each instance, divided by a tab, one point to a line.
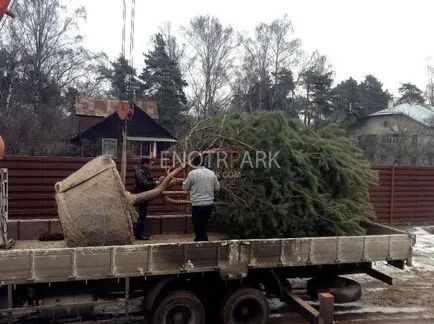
46	67
271	50
212	47
429	92
175	50
48	43
285	48
92	84
259	59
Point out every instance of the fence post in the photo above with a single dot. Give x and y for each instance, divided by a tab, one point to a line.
392	194
326	306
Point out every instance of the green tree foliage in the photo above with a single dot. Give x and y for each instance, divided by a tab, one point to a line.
319	185
372	96
121	76
410	94
317	92
346	105
163	83
281	93
351	101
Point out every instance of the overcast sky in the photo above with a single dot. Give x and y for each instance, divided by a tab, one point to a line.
390	39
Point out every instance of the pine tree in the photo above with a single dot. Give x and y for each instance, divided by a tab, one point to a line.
317	87
163	83
372	96
346	108
121	77
284	85
410	94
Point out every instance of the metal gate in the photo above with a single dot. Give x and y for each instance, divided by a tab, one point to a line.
4	242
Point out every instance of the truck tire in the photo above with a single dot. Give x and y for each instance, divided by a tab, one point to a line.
180	307
246	305
343	290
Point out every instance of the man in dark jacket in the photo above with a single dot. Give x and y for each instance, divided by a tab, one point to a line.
143	182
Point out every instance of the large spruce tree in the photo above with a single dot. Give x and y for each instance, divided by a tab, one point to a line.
319	185
163	83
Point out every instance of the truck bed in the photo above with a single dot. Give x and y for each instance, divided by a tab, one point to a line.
155	239
34	261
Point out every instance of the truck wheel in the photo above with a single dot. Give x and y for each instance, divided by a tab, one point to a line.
343	290
246	305
180	307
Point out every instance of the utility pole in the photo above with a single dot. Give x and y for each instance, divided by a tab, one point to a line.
124	152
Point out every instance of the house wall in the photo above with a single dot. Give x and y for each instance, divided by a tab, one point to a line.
93	148
396	139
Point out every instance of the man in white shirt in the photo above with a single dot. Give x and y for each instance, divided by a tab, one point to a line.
202	183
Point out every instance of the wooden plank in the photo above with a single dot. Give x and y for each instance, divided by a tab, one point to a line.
301	307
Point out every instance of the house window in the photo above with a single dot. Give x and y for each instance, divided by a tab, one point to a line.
392	139
383	159
138	148
414	140
366	141
386	123
110	146
413	160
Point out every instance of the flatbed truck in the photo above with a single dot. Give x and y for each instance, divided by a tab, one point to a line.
180	281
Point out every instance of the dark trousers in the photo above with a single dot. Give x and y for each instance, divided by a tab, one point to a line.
141	222
200	217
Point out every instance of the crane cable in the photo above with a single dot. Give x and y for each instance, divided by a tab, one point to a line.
133	13
130	58
123	28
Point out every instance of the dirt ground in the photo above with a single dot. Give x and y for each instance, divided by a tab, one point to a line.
409	300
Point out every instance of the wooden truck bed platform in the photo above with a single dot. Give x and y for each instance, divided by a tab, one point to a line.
34	261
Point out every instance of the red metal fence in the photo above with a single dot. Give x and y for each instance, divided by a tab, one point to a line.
32	179
404	195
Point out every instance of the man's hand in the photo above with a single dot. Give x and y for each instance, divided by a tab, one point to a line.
160	180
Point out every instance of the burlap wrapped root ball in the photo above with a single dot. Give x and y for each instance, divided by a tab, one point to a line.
92	206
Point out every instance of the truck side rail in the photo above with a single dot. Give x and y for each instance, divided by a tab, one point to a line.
88	263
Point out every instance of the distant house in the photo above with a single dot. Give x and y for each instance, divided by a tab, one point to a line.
100	129
402	135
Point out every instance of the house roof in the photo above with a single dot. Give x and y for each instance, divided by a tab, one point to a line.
420	113
105	107
141	125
